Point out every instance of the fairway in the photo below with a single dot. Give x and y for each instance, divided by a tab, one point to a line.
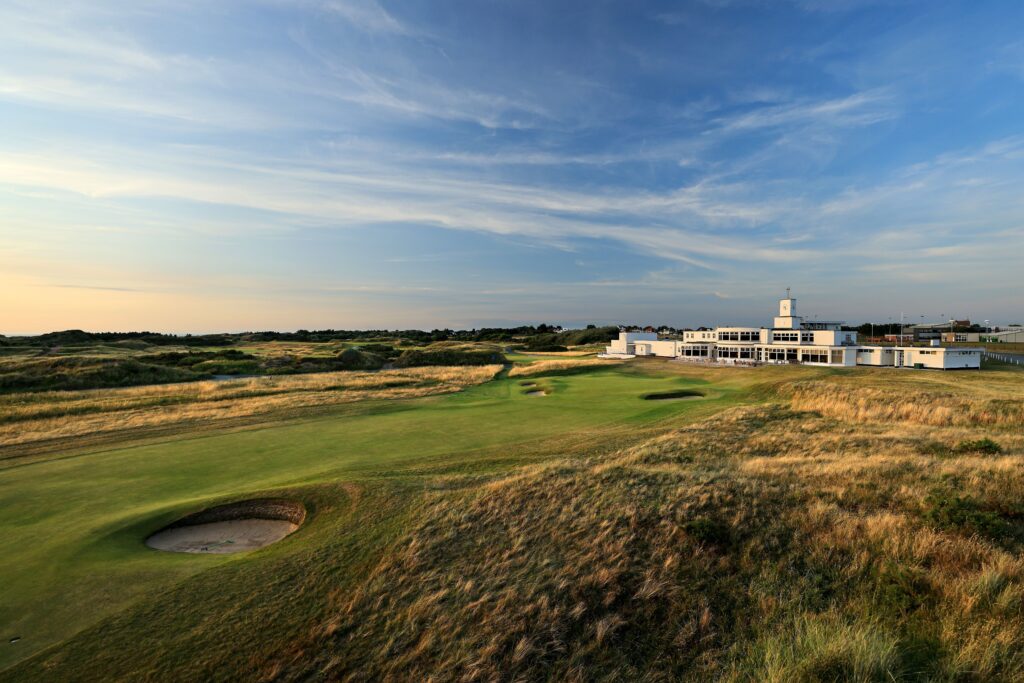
73	552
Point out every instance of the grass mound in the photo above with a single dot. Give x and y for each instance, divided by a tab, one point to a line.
65	373
413	358
568	366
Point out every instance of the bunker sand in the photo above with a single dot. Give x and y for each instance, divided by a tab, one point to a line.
222	538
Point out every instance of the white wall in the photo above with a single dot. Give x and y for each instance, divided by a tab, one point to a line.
876	355
697	336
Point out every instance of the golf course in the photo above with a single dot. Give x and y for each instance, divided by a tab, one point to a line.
74	552
549	521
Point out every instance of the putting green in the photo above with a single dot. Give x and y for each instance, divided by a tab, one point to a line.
73	549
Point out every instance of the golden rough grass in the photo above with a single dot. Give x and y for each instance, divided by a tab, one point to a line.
571	353
29	417
963	398
544	366
765	543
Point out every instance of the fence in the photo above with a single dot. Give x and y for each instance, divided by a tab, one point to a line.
1004	357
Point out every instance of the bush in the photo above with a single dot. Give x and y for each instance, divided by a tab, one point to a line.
594	335
356	359
544	347
984	446
187	359
416	358
978	447
961	513
67	373
228	367
899	590
709	531
382	350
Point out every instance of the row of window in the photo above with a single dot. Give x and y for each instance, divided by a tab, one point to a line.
740	336
766	354
742	352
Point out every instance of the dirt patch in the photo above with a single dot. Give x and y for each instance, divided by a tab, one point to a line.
678	395
232	528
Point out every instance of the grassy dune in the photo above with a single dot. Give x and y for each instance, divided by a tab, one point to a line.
568	365
797	524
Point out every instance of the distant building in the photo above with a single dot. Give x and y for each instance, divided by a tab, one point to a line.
961	337
1012	335
791	339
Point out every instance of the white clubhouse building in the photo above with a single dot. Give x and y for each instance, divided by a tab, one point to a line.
791	339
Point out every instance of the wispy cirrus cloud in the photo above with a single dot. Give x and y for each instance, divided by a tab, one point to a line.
718	148
368	15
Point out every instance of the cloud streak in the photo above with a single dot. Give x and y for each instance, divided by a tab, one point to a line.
513	144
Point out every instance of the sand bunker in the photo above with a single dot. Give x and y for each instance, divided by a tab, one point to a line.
222	537
232	528
679	395
537	393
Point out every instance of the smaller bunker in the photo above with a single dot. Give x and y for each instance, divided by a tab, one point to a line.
231	528
677	395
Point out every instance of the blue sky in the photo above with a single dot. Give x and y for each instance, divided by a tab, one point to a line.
283	164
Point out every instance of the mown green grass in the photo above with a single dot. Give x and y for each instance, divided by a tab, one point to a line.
796	524
72	553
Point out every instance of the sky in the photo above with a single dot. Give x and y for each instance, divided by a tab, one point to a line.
241	165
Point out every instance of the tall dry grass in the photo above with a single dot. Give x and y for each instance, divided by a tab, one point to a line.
956	406
571	353
542	367
765	543
30	417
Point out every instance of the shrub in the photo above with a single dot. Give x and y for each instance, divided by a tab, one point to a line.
961	513
594	335
227	367
899	590
63	373
382	350
709	531
355	359
416	358
984	446
544	347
